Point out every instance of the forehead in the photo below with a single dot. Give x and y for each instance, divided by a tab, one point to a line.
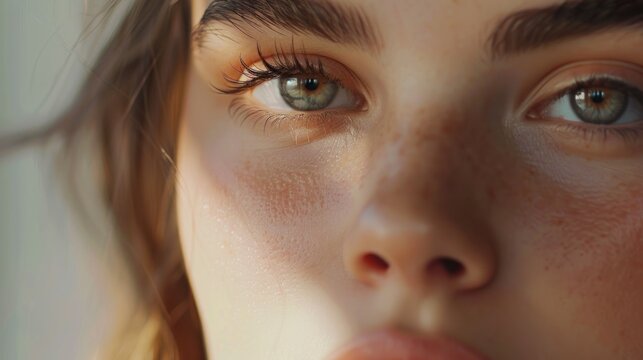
396	24
432	10
436	21
400	15
445	30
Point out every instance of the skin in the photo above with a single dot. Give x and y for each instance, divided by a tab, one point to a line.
547	227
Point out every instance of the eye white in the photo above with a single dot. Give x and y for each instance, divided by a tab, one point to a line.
268	94
562	109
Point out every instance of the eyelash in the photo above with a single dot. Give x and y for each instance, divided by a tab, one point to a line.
591	132
284	64
278	65
297	62
597	81
325	122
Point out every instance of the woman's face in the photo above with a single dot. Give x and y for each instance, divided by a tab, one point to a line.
447	168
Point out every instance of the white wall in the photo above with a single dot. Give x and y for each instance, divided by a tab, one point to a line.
52	303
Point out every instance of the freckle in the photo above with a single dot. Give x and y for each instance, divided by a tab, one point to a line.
281	195
491	193
448	127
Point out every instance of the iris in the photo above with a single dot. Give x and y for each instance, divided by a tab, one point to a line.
599	105
306	92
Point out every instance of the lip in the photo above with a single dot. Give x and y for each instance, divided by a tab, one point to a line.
393	344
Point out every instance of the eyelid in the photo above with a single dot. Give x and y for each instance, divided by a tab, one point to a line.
580	138
310	126
562	79
293	128
246	75
537	110
334	71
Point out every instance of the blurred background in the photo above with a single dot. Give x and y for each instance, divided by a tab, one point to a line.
53	304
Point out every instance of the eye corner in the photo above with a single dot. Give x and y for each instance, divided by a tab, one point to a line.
535	109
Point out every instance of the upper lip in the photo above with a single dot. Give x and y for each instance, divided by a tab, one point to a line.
394	344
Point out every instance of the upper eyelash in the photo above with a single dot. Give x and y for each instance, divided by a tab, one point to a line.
280	64
601	81
583	83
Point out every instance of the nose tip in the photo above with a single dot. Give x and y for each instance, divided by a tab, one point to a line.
373	268
441	266
447	256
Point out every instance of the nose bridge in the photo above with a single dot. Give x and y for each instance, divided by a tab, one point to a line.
419	218
399	240
424	160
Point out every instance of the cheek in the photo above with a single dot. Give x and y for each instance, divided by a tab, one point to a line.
286	196
286	207
282	203
590	246
602	264
612	293
277	201
592	226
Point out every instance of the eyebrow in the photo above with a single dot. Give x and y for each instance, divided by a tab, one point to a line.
534	28
334	22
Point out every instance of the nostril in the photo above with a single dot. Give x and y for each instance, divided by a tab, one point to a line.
375	262
452	267
448	265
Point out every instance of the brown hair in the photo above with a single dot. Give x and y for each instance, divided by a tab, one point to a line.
131	102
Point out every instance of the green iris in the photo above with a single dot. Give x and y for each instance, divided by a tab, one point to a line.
601	106
307	92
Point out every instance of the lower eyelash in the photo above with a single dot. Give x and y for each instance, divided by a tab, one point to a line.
591	133
244	113
314	124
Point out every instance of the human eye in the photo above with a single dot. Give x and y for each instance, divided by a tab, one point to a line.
598	101
304	95
303	92
592	107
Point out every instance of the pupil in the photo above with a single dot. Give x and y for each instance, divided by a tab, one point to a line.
597	96
311	84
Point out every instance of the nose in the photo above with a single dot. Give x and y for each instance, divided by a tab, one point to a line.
388	245
420	225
